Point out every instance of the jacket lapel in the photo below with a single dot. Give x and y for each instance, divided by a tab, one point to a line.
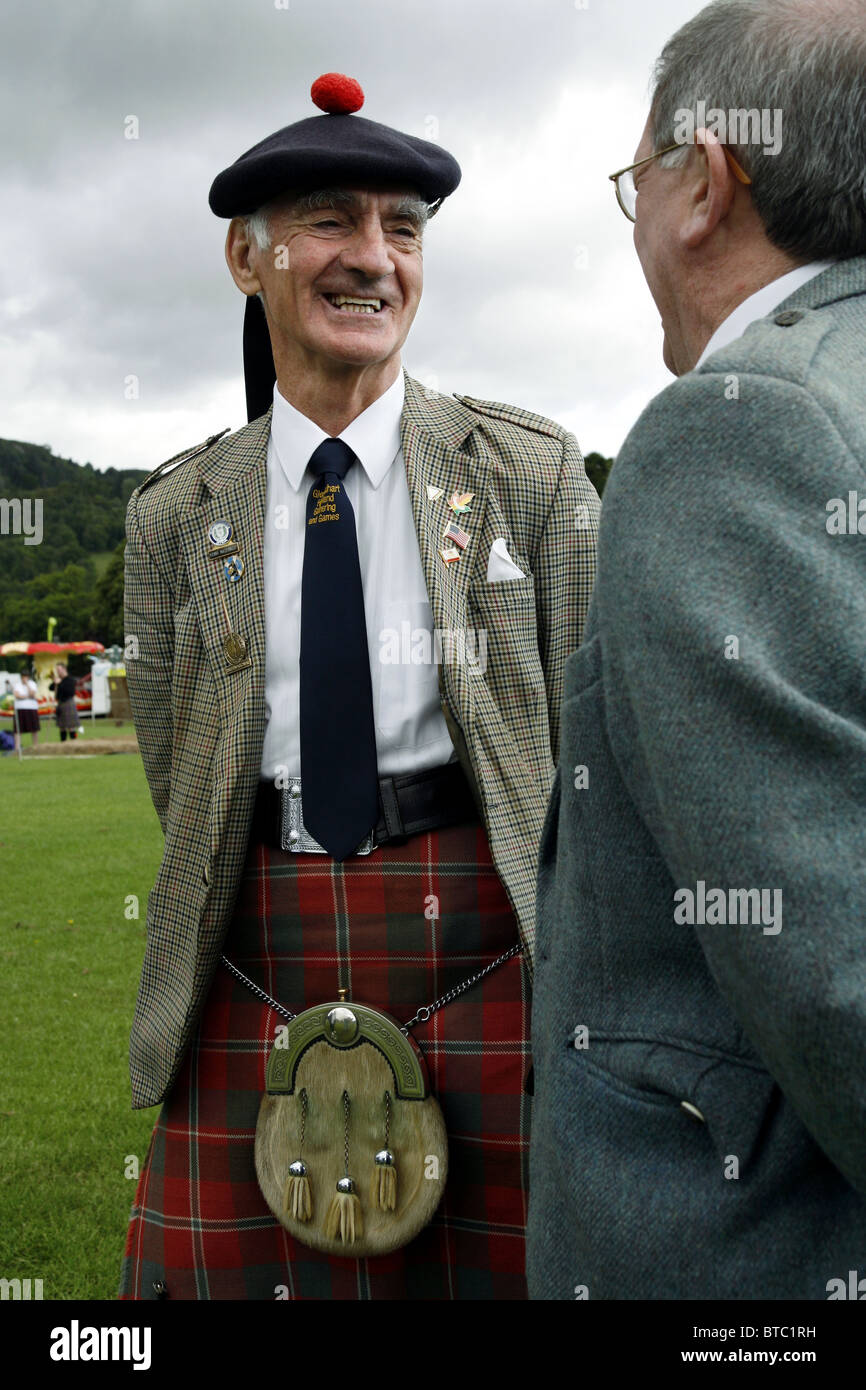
438	452
234	475
443	446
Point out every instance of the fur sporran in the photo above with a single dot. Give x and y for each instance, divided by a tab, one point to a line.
351	1149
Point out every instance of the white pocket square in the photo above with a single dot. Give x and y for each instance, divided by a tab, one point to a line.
500	565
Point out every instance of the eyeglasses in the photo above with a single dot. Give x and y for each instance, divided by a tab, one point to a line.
626	190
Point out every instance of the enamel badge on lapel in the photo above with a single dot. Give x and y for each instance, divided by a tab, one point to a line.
233	568
434	493
219	533
459	501
454	541
456	535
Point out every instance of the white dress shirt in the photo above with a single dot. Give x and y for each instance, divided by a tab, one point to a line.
411	733
759	305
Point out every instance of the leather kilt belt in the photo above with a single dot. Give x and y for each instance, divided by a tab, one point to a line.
409	804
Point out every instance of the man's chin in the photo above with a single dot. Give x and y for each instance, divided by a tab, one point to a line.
360	355
668	358
358	347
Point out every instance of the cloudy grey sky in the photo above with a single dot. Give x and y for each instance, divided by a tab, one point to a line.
112	263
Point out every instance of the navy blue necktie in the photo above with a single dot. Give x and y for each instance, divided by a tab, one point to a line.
339	772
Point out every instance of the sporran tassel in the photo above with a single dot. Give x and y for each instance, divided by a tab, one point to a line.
385	1169
296	1199
344	1221
296	1195
384	1182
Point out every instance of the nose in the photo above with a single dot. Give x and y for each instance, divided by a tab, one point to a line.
367	251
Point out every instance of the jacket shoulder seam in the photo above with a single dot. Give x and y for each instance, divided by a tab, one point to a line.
177	460
514	415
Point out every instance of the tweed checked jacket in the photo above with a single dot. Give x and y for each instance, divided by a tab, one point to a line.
201	724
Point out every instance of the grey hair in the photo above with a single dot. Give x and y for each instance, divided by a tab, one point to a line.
258	228
258	223
805	59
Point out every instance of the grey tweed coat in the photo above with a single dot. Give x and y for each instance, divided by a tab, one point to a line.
699	1126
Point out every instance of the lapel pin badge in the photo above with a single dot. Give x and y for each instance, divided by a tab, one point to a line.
434	493
233	568
219	533
237	652
449	554
456	535
236	647
459	501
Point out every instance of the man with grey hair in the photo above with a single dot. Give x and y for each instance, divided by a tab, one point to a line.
699	1022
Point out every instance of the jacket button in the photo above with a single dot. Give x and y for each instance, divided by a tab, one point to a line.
692	1110
205	873
788	318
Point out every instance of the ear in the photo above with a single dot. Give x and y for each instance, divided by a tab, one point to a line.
240	257
711	191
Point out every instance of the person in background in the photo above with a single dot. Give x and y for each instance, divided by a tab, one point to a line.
66	714
26	700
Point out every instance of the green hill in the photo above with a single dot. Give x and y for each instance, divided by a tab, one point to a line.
72	574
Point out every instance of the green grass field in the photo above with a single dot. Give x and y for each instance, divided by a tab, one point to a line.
98	728
78	838
90	729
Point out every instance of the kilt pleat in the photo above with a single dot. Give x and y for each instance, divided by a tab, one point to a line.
303	926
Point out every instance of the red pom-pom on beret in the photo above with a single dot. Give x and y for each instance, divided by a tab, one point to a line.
336	94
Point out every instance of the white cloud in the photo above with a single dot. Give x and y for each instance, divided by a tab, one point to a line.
112	262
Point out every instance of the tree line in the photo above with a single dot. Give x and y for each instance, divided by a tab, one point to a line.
75	574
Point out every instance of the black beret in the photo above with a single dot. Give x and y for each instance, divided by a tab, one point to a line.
323	151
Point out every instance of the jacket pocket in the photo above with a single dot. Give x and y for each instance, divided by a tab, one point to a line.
506	642
727	1094
632	1194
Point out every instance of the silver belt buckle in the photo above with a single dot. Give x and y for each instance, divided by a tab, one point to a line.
294	836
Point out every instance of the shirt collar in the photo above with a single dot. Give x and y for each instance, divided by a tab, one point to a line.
759	305
374	435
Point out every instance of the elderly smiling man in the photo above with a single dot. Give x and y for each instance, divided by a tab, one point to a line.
351	621
699	1026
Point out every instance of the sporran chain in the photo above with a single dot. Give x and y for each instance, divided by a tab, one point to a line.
423	1014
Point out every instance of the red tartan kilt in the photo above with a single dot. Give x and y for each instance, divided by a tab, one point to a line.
303	926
